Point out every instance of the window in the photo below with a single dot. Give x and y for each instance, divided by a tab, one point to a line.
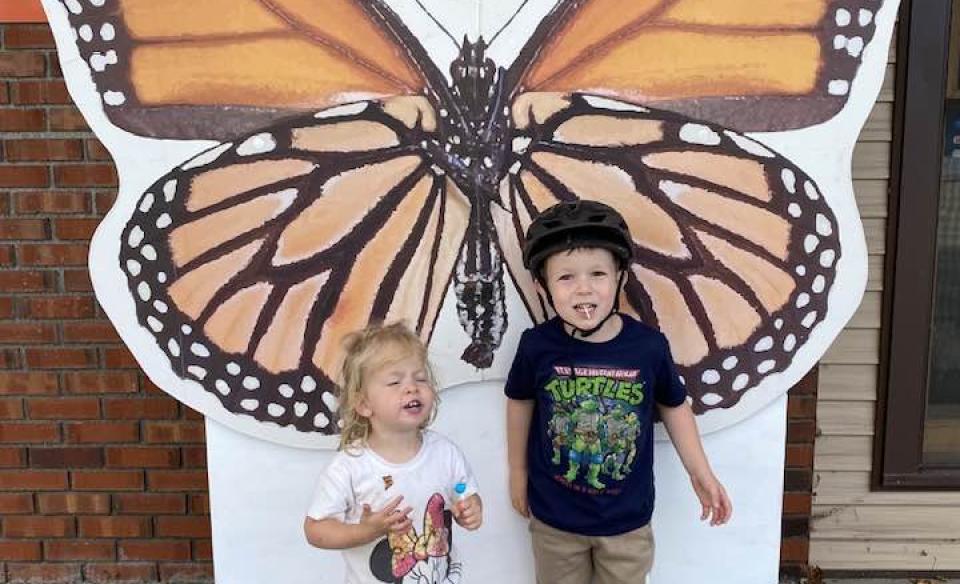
919	442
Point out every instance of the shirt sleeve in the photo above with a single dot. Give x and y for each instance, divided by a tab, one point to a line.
519	383
333	494
670	391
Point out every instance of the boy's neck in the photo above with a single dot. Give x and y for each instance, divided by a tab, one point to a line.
395	447
610	329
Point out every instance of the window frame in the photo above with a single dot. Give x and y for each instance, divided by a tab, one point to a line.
910	262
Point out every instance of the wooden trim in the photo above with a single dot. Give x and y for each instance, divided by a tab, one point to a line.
911	249
22	11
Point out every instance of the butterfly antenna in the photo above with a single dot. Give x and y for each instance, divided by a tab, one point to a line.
507	23
437	22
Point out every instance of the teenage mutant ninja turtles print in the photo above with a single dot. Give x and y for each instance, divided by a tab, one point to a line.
594	426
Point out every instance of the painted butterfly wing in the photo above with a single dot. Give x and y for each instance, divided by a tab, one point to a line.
747	65
181	69
735	247
402	546
250	262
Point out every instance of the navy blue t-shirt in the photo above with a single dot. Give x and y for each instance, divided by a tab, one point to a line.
590	451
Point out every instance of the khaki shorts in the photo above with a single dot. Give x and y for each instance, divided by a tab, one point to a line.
562	557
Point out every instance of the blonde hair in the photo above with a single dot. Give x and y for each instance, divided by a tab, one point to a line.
367	351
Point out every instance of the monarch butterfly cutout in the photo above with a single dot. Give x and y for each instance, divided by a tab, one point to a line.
356	183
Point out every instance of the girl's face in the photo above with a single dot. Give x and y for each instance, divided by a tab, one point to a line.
583	284
398	397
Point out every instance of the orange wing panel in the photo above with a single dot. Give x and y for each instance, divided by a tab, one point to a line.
786	14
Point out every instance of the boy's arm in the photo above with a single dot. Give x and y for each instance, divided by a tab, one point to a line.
333	534
682	428
519	414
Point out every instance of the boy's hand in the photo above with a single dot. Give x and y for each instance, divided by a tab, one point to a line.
715	503
390	518
468	512
518	492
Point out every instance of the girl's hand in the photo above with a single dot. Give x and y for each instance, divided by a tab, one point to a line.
518	491
390	518
468	512
714	502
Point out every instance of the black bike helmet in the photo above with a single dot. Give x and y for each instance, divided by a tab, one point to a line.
574	224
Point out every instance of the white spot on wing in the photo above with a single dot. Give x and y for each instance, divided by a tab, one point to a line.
146	202
864	17
842	17
249	404
349	109
838	87
133	267
612	104
741	381
699	134
824	227
748	145
205	158
233	368
710	376
810	242
789	180
710	399
258	144
199	350
107	32
730	362
85	32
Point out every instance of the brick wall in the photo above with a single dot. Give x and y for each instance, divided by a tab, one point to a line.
102	475
798	476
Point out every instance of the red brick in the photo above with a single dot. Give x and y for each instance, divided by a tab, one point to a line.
59	307
194	456
801	431
26	281
77	281
16	503
101	432
29	432
125	573
22	64
795	549
178	432
97	151
22	551
46	573
60	358
23	229
104	202
75	228
43	91
100	382
11	456
119	358
27	332
802	406
35	150
4	93
186	573
799	455
177	480
118	480
202	549
63	408
155	550
7	307
81	175
11	408
53	202
23	175
28	382
797	503
9	359
33	480
140	408
37	526
142	457
66	119
171	526
199	504
80	550
149	503
7	255
28	36
90	332
54	254
73	503
66	457
114	526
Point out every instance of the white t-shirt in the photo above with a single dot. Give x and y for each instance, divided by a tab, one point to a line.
425	554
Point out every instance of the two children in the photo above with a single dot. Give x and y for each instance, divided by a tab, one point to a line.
582	392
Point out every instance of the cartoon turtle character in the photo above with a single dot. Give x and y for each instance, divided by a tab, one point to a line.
587	446
559	430
620	431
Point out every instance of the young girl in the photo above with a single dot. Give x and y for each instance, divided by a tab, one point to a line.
387	497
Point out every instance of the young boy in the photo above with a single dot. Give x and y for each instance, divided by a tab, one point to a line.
580	411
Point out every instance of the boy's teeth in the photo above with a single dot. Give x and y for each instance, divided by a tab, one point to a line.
586	310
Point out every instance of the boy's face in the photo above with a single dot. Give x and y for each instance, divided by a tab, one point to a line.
583	284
